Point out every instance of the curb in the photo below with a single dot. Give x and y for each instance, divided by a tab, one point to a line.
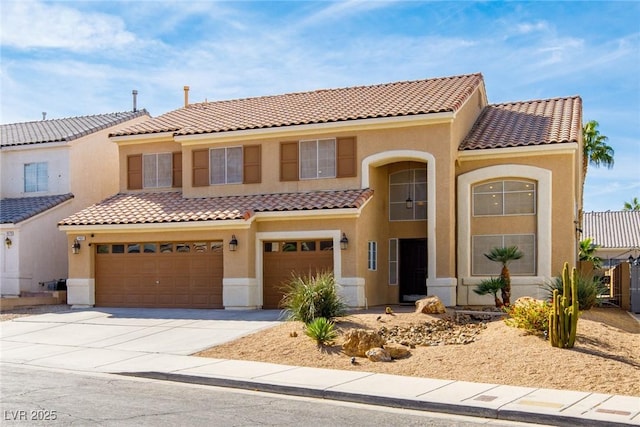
393	402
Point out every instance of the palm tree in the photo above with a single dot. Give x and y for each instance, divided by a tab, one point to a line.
633	205
596	151
504	256
491	286
587	252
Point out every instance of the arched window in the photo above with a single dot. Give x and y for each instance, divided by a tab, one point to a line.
408	195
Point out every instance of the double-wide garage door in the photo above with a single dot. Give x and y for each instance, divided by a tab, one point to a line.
159	274
284	258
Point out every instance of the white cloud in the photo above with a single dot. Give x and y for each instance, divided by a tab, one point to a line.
33	24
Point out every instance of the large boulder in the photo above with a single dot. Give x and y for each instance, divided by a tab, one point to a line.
430	305
378	354
358	341
396	351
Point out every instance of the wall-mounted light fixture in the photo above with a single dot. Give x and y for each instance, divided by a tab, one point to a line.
631	259
75	248
344	242
8	242
408	203
233	243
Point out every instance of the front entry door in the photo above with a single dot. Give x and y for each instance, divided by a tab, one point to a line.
413	269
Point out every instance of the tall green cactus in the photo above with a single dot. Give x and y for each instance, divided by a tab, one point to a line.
563	320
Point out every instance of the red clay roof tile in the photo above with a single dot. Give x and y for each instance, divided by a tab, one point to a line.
162	207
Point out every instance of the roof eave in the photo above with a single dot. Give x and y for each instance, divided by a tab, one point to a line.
528	150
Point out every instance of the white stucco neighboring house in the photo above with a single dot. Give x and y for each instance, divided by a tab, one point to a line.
50	169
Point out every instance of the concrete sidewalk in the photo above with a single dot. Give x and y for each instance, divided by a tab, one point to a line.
157	343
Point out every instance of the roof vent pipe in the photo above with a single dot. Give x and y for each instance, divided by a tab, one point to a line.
135	100
44	115
186	96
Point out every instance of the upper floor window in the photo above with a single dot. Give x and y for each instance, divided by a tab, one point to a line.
507	197
318	159
157	170
408	195
36	177
226	165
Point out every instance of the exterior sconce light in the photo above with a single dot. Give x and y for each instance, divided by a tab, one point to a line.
408	203
233	243
631	259
75	248
8	242
344	242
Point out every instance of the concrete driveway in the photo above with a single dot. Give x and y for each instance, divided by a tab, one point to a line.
106	339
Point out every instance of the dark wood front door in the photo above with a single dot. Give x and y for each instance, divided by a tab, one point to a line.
413	269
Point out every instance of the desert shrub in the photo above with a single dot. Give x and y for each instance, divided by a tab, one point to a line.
531	315
309	297
321	330
589	287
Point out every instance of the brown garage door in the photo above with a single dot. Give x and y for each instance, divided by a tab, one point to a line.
159	274
281	259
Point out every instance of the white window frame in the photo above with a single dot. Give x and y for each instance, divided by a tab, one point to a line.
412	183
393	262
158	180
320	172
533	260
372	255
36	181
227	179
502	193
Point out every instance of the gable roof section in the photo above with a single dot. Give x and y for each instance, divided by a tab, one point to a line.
612	229
15	210
154	208
407	98
61	130
518	124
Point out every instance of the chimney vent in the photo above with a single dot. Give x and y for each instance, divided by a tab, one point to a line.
186	96
44	115
135	100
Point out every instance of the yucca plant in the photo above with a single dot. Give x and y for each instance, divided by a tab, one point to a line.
504	256
589	288
491	286
321	330
309	297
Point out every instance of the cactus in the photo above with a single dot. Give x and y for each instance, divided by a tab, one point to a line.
563	320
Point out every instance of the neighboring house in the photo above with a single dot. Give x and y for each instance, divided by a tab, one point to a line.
398	188
51	169
616	233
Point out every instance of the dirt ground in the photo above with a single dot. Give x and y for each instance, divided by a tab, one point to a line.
605	359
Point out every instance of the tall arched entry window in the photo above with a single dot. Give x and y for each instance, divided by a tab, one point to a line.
408	195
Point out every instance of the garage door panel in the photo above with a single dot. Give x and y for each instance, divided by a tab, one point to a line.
160	279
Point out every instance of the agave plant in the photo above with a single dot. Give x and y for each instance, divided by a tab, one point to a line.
504	255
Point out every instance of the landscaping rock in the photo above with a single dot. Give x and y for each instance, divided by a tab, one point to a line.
378	354
397	351
430	305
358	341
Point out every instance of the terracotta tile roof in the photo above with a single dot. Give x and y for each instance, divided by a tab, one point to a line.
546	121
146	208
612	229
60	130
320	106
15	210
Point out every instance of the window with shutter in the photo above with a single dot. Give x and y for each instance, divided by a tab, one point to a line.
226	165
157	170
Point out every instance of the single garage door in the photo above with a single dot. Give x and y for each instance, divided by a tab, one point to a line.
159	274
282	259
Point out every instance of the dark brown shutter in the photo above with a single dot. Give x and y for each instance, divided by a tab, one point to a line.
177	169
252	172
134	172
346	157
289	161
201	167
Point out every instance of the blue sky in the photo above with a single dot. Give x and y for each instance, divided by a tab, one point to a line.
72	58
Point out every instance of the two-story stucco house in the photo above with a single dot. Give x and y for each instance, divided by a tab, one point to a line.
51	169
398	188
